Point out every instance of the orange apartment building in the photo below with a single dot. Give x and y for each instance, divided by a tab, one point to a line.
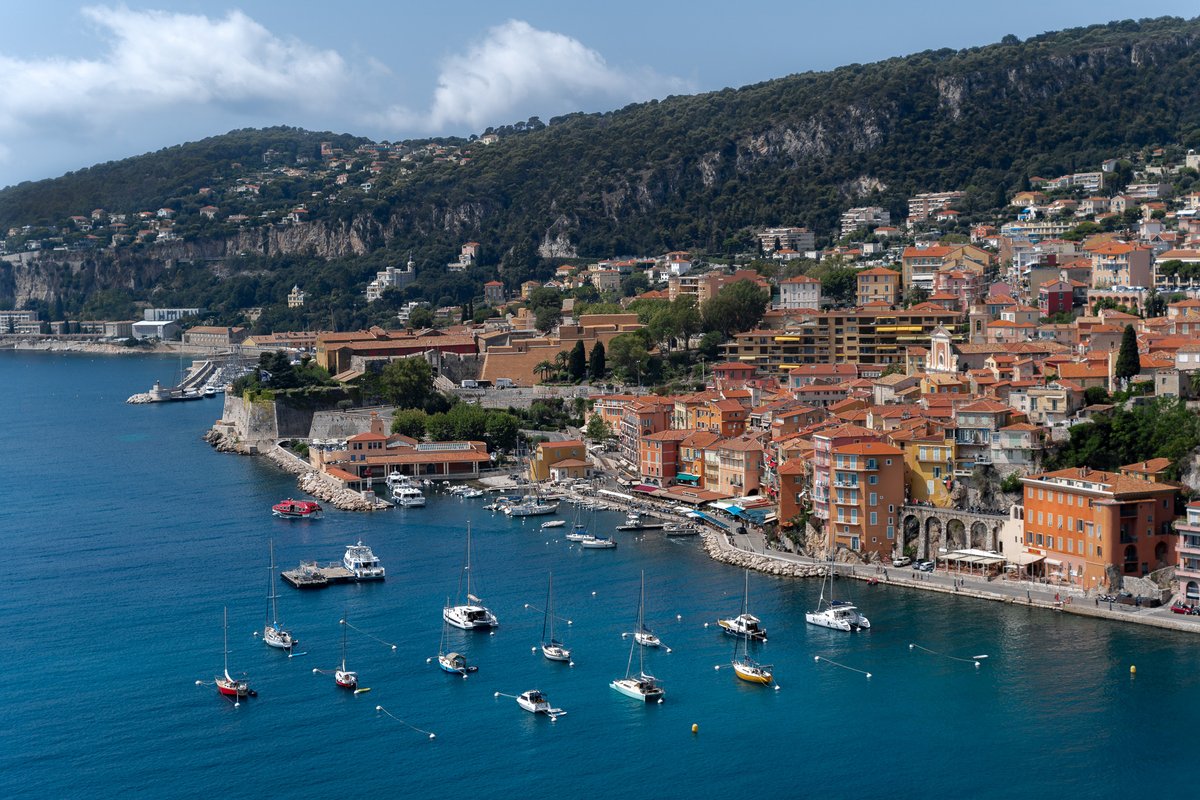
374	455
867	492
659	453
1091	526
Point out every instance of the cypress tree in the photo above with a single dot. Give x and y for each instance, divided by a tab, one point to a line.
596	364
1128	363
577	366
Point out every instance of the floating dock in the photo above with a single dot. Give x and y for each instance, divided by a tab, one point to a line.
311	575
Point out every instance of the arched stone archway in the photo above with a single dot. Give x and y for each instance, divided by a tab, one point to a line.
910	533
956	534
933	537
994	541
979	536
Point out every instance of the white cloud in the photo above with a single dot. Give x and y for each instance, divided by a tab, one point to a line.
156	60
517	70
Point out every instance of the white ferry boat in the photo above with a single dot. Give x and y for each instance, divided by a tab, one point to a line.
362	563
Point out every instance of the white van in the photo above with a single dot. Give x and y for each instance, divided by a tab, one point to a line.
470	384
504	383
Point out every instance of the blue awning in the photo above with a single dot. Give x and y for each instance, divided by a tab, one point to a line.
756	515
712	519
686	476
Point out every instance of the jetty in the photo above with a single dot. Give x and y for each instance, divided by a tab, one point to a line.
311	575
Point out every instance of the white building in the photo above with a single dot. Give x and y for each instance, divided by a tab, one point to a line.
170	314
155	329
800	292
391	278
295	298
799	239
864	217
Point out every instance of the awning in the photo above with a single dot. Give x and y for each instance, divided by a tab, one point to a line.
644	489
611	493
1025	559
1053	562
687	476
712	519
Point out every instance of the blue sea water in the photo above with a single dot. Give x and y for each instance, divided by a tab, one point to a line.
123	536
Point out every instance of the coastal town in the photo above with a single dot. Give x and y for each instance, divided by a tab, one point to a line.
916	417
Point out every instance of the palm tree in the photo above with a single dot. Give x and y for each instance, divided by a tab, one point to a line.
543	368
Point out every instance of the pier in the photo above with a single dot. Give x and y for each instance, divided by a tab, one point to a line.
311	575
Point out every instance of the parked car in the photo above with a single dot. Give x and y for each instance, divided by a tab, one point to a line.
902	561
924	566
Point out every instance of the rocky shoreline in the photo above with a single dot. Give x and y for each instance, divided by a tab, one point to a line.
754	561
309	480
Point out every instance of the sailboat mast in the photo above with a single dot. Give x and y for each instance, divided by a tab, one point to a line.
343	641
641	626
547	617
225	648
467	568
271	596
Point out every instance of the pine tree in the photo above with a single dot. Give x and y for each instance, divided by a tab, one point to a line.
577	366
1128	363
596	364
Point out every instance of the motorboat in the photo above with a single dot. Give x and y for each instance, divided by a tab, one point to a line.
471	492
471	615
535	702
598	543
745	625
678	529
363	563
579	536
396	477
297	509
531	507
405	495
554	523
210	391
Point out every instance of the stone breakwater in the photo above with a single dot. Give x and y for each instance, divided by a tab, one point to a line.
310	481
755	561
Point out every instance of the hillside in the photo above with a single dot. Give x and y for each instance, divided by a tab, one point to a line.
687	172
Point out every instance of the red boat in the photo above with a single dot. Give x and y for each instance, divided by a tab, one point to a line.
297	509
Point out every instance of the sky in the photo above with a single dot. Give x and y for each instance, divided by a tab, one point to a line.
84	83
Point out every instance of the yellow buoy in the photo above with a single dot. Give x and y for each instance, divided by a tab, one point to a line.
1132	670
695	728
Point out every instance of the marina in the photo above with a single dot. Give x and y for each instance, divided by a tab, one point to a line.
999	708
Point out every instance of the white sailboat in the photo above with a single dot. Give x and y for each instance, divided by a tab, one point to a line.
343	677
274	633
472	615
552	648
455	663
744	625
643	635
840	615
641	686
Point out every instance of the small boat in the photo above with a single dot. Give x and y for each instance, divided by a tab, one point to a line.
472	615
405	495
745	625
363	563
554	523
535	702
598	543
579	536
273	633
552	648
677	529
344	677
396	477
455	663
751	671
536	508
641	686
226	685
471	492
210	391
840	615
297	509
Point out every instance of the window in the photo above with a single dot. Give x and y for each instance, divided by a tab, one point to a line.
874	499
1060	544
872	464
874	518
872	479
887	462
937	472
1039	538
891	508
891	532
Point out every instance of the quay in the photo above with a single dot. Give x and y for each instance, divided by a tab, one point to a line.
311	575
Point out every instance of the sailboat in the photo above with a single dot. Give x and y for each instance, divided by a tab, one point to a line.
472	615
225	684
642	686
452	662
840	615
643	635
344	677
273	633
747	668
744	625
552	648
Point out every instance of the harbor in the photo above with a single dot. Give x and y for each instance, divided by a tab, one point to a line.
1038	658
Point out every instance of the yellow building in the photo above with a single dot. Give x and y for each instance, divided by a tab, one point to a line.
549	454
929	466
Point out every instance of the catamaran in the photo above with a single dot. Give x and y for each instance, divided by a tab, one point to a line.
641	686
840	615
472	615
273	633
